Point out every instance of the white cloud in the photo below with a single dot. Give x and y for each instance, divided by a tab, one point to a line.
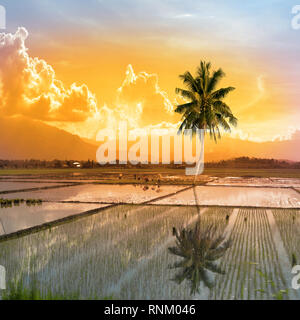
29	86
139	100
183	16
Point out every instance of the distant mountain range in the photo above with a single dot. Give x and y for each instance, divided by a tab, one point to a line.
23	138
228	148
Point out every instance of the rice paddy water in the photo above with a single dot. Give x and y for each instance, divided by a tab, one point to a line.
122	252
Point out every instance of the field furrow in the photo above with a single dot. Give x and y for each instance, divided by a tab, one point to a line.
288	222
252	264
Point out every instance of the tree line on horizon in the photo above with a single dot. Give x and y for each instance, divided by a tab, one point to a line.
241	162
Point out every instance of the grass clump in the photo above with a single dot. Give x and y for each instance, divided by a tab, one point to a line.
33	202
18	291
9	203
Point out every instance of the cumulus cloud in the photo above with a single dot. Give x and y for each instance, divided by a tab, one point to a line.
141	98
28	86
139	101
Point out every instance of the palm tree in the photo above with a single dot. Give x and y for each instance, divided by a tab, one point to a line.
205	108
199	247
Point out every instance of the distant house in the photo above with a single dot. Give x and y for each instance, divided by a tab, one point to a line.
76	164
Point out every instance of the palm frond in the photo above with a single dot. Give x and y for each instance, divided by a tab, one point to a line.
185	107
205	108
189	81
222	93
186	94
216	77
213	267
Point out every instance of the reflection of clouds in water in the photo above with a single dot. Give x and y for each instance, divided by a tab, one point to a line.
23	217
237	196
8	186
256	182
99	193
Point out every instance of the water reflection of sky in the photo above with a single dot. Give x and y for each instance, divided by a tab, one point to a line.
237	196
8	186
23	216
100	193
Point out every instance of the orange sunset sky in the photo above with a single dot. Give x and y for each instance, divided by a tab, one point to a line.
84	65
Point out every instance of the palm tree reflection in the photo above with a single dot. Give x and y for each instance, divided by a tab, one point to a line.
199	247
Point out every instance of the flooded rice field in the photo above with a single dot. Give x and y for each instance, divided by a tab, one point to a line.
23	216
255	182
236	196
119	249
122	253
20	185
101	193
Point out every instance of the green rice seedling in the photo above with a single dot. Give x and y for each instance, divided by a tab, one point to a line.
71	255
106	255
18	291
253	246
279	294
289	227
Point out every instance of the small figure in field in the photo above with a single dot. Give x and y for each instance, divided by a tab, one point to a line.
227	217
159	179
120	176
245	219
174	231
294	260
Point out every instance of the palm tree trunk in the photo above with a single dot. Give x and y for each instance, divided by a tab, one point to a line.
201	159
